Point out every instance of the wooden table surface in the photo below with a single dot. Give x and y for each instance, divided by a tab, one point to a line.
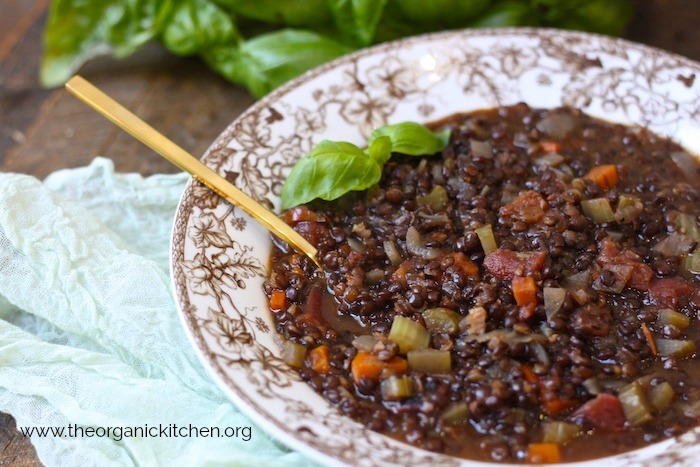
43	130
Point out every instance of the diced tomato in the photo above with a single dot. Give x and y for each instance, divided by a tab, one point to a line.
300	214
609	253
464	265
550	146
313	231
604	412
528	206
506	264
668	291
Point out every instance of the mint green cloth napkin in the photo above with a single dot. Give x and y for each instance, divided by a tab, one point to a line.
89	331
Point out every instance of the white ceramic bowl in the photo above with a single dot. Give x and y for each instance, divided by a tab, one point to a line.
219	255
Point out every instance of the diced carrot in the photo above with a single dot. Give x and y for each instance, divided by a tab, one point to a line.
650	339
547	453
278	300
556	405
465	265
367	365
319	359
529	375
550	146
525	290
605	176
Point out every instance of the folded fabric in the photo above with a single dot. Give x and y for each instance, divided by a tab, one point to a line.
90	339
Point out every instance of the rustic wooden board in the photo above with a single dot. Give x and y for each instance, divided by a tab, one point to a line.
44	130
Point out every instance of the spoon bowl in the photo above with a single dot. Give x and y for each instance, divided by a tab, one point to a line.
129	122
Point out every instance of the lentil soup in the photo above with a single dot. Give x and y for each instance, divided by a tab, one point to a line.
530	294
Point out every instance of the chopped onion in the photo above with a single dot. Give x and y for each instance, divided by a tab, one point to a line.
553	300
557	125
551	160
675	347
481	148
416	246
579	281
392	252
675	244
356	245
621	273
365	342
487	239
598	210
688	166
668	316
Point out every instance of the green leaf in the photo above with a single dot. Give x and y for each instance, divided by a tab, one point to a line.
380	149
194	25
357	20
331	170
298	13
269	60
79	30
411	138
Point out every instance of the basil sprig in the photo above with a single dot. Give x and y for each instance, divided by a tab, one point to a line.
333	169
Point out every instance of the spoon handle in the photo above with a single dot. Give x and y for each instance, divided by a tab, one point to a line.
145	133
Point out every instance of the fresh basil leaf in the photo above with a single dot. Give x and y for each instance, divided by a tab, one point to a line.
331	170
380	149
194	25
357	20
411	138
77	31
269	60
295	13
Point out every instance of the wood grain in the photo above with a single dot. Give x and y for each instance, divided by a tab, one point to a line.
45	130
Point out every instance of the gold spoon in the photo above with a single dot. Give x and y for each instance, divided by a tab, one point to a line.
145	133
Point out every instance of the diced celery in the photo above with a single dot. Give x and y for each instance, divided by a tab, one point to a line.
661	396
598	210
456	413
293	354
635	404
397	387
553	300
687	225
436	199
408	334
626	200
430	360
675	347
559	432
365	342
691	262
668	316
442	320
487	239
